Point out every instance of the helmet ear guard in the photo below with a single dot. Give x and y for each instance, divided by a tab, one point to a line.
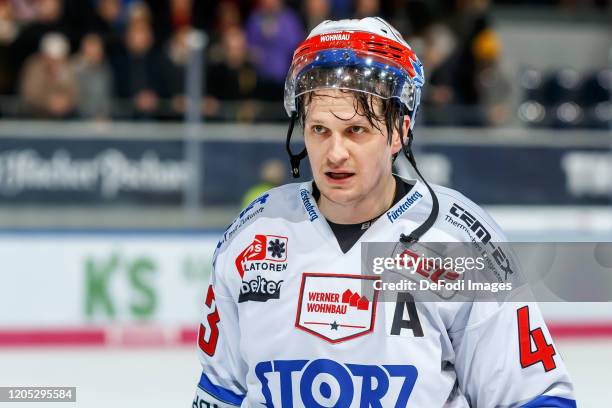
294	159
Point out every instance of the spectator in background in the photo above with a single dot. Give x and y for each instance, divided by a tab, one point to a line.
466	86
470	23
315	12
271	174
139	12
137	68
273	32
110	11
48	86
24	10
8	33
227	17
233	79
115	13
180	13
47	18
412	19
169	16
492	84
341	9
8	23
48	11
205	14
112	16
94	79
478	50
439	96
176	57
367	8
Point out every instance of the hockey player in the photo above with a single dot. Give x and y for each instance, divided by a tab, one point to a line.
285	323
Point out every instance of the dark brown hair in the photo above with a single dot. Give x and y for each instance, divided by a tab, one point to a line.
366	105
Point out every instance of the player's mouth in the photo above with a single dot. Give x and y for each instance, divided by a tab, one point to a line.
338	176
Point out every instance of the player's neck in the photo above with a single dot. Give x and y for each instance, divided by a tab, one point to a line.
373	205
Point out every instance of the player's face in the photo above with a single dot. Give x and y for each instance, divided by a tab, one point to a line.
350	158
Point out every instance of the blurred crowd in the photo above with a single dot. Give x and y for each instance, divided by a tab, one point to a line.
128	59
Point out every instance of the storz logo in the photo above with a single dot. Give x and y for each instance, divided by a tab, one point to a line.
259	290
396	213
327	383
310	209
202	403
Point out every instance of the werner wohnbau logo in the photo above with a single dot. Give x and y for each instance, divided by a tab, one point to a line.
333	307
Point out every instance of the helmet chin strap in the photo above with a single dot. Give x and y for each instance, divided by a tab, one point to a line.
415	235
295	159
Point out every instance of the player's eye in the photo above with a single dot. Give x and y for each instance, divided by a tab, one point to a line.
356	129
318	129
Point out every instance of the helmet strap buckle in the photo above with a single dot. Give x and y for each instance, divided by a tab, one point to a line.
294	159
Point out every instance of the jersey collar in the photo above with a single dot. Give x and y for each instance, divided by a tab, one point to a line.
415	196
418	197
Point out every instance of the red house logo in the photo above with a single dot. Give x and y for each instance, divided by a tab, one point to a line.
331	306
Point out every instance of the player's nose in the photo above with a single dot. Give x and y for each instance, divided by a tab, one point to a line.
337	152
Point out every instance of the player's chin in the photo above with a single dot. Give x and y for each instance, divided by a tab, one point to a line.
339	194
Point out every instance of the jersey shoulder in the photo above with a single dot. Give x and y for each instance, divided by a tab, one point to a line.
279	203
463	219
466	222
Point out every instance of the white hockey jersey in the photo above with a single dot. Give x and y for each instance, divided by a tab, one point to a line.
276	330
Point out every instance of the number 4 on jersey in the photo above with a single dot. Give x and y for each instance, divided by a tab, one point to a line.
544	351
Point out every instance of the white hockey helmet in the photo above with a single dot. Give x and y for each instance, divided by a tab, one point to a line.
366	55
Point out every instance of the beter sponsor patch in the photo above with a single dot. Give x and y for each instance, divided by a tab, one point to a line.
259	290
332	307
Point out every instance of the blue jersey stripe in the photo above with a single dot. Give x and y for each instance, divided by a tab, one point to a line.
546	401
220	393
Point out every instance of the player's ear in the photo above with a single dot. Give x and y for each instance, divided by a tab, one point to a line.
396	144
